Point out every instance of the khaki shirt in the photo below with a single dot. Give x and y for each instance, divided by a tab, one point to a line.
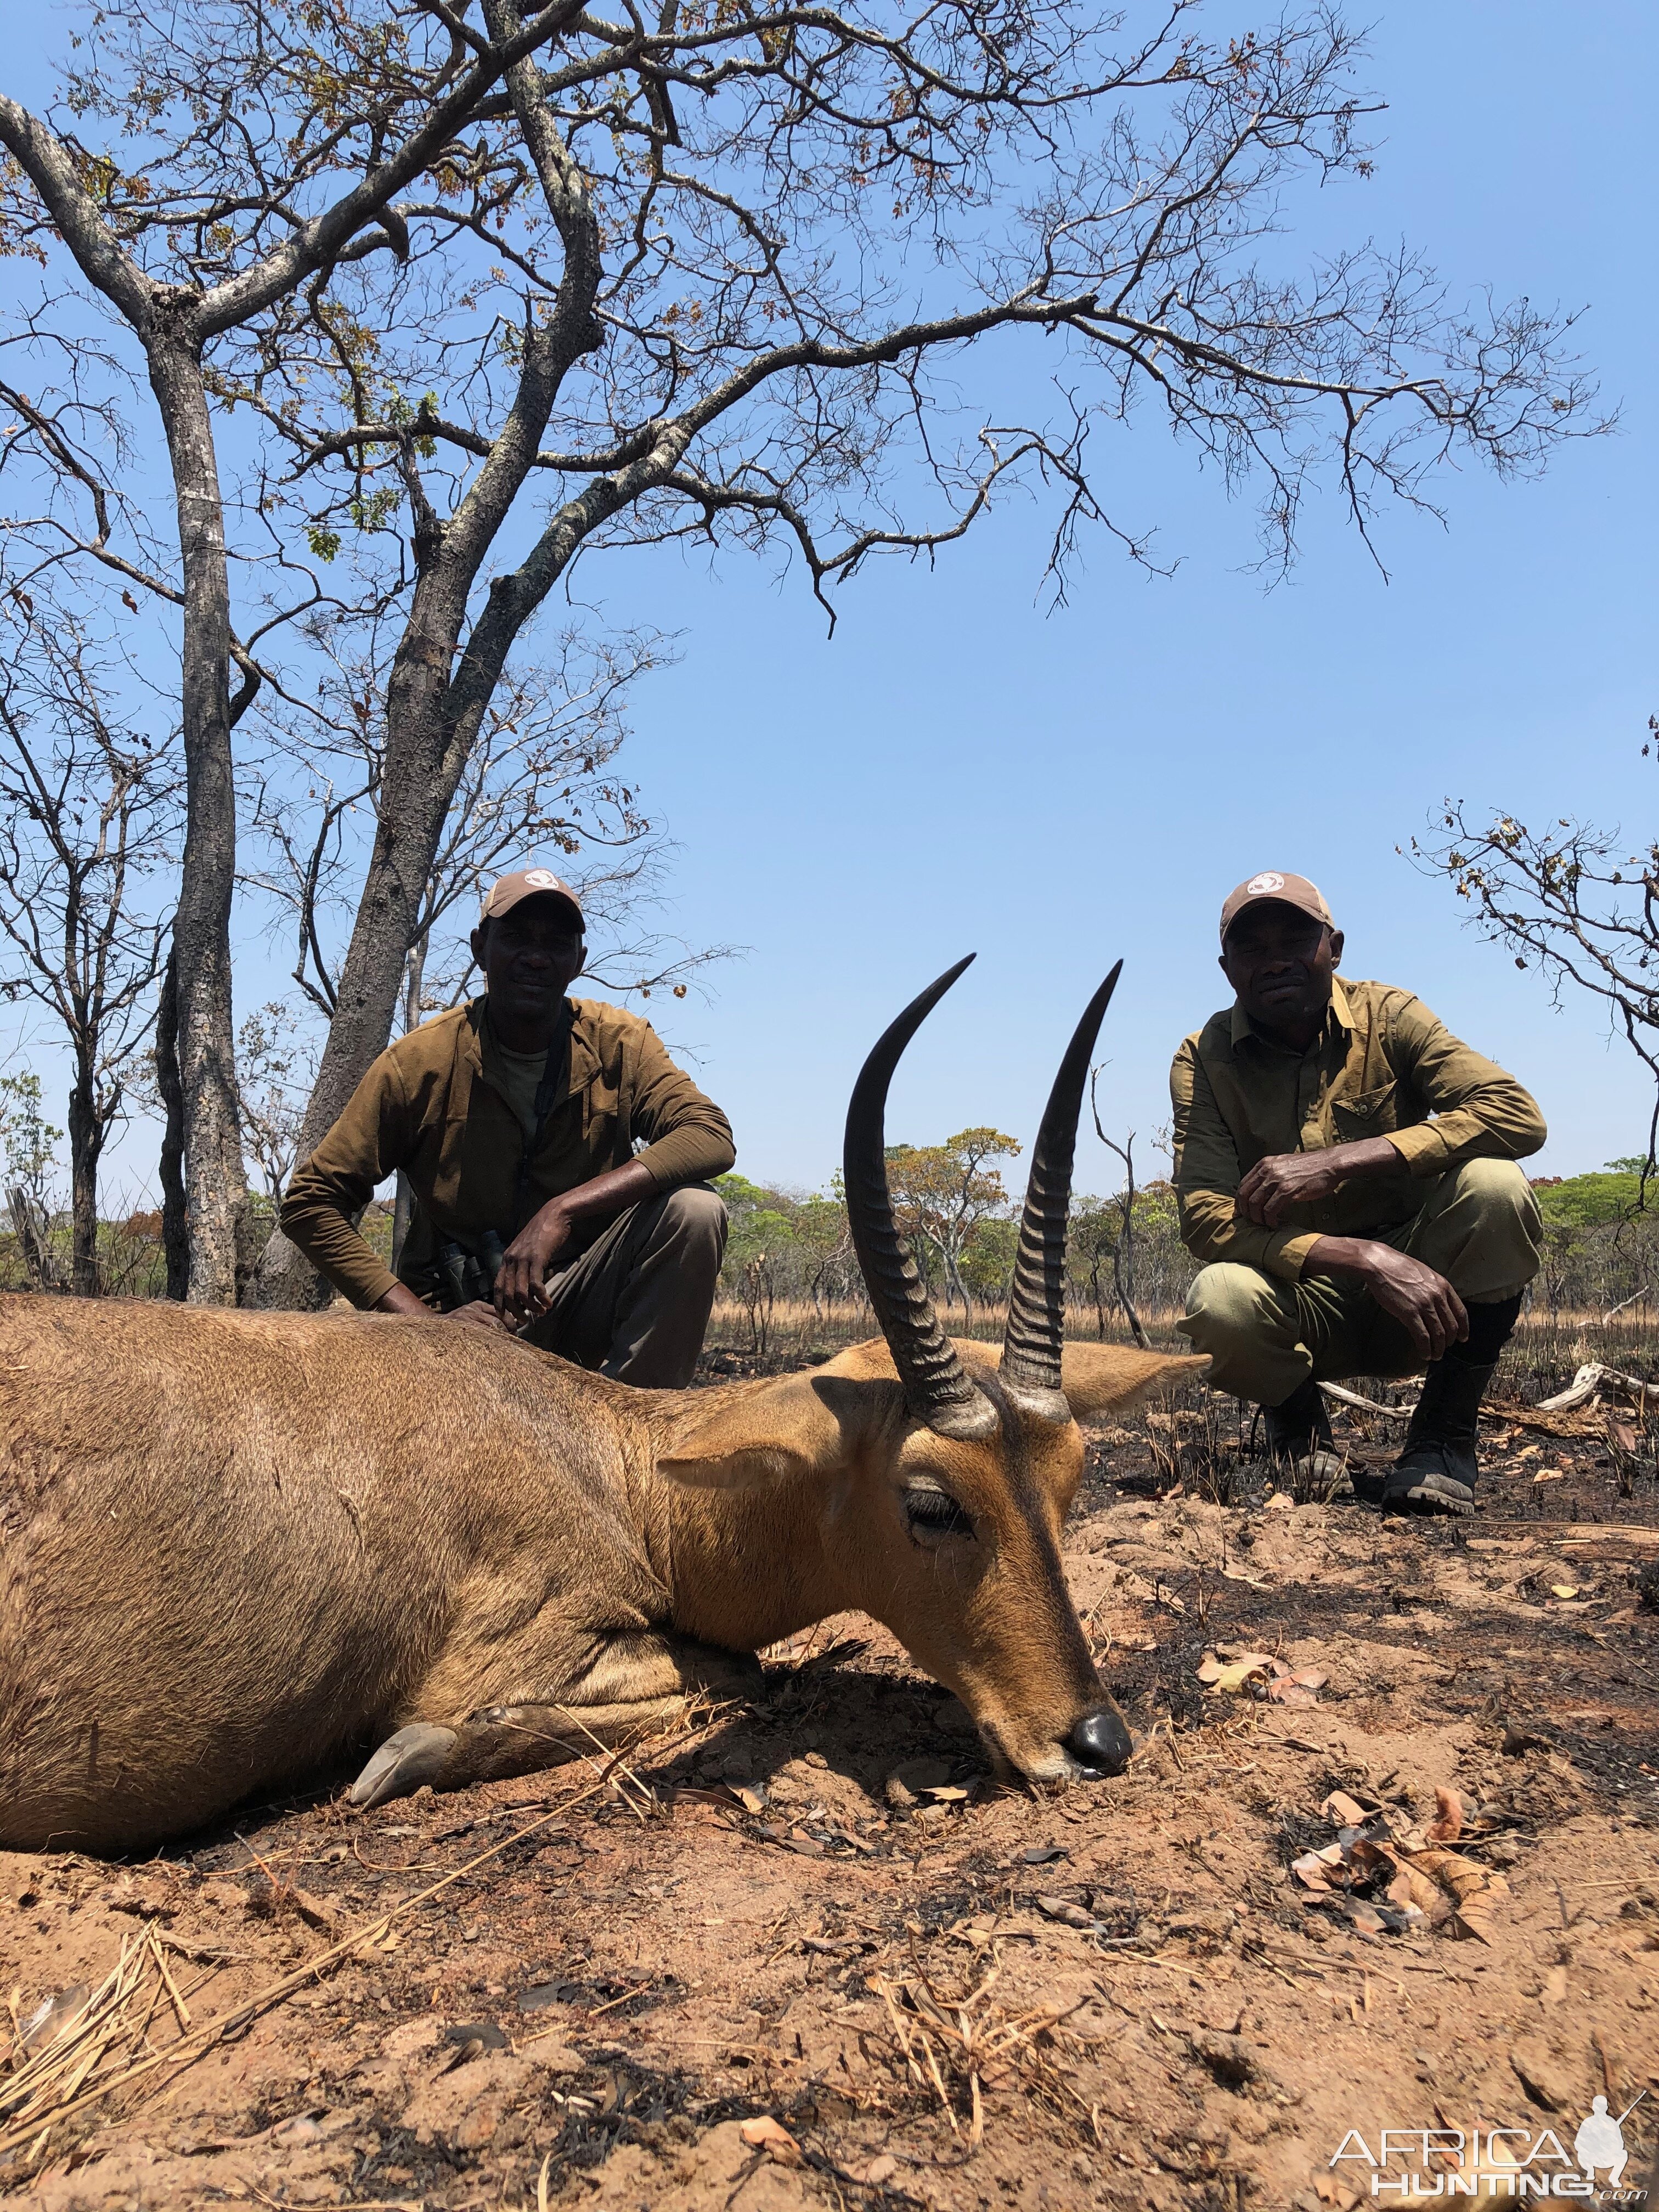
1383	1066
436	1106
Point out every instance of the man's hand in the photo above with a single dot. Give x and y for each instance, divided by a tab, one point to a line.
479	1315
1424	1302
400	1299
1287	1179
521	1291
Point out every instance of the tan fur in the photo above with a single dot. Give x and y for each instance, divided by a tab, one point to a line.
237	1547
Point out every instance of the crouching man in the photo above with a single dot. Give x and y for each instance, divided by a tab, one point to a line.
1345	1168
516	1119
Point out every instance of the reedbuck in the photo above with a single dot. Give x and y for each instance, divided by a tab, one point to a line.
236	1547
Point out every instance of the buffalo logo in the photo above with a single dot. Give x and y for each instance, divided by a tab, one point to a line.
1259	886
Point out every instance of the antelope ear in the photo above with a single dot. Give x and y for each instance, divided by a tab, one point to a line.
799	1424
1109	1378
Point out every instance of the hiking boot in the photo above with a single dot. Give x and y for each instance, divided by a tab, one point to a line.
1436	1471
1301	1452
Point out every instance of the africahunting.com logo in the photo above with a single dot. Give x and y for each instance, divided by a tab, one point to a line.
1414	2163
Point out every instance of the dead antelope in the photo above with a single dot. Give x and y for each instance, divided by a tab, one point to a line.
235	1547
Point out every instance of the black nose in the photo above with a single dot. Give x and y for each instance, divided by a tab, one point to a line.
1100	1742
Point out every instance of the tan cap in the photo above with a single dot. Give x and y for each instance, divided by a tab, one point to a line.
506	892
1273	889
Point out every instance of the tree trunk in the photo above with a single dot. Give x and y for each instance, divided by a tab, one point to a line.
33	1235
215	1184
402	1211
439	693
86	1136
175	1237
422	772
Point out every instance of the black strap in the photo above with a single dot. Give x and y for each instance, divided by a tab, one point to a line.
547	1094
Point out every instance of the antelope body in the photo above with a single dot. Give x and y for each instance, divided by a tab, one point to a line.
236	1547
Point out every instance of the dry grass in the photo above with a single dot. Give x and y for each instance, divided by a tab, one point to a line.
1545	1351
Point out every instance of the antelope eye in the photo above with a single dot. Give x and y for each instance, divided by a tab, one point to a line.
932	1512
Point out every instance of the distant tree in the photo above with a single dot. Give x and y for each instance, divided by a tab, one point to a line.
31	1152
276	1067
1586	1201
942	1193
89	815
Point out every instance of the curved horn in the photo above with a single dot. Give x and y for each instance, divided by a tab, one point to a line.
1036	1331
936	1385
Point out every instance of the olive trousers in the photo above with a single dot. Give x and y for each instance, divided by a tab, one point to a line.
1477	1226
634	1302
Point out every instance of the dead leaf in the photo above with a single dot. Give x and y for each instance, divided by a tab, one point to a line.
1564	1589
1293	1693
1551	1474
770	2136
1447	1825
949	1795
1622	1435
1313	1868
1411	1891
1063	1910
1471	1892
750	1799
1341	1810
1234	1674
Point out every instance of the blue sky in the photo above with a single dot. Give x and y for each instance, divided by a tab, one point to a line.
958	770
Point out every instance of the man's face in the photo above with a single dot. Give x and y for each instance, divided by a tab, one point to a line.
530	956
1281	961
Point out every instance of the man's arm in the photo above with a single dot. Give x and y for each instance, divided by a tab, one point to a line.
327	1192
1207	1182
688	1140
1480	1112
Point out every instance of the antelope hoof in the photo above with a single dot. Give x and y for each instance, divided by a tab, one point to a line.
417	1754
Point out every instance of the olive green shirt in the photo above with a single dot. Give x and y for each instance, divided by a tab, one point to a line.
1382	1066
442	1105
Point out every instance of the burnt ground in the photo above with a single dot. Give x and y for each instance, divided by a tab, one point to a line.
1121	1995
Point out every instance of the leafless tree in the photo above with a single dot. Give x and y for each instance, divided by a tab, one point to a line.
276	1067
90	816
707	277
1581	904
1123	1244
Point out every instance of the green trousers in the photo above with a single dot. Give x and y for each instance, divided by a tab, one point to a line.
1477	1226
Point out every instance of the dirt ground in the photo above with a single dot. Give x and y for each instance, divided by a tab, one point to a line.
806	1954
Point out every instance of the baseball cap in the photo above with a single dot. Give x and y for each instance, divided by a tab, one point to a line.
1273	888
506	892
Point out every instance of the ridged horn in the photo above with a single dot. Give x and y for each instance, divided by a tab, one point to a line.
1036	1331
936	1385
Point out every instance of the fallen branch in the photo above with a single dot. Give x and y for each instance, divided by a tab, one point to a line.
1588	1382
1368	1405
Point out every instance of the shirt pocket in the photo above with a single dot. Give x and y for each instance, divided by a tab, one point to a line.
1369	1114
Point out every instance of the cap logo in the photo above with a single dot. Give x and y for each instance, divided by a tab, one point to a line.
1259	886
543	881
